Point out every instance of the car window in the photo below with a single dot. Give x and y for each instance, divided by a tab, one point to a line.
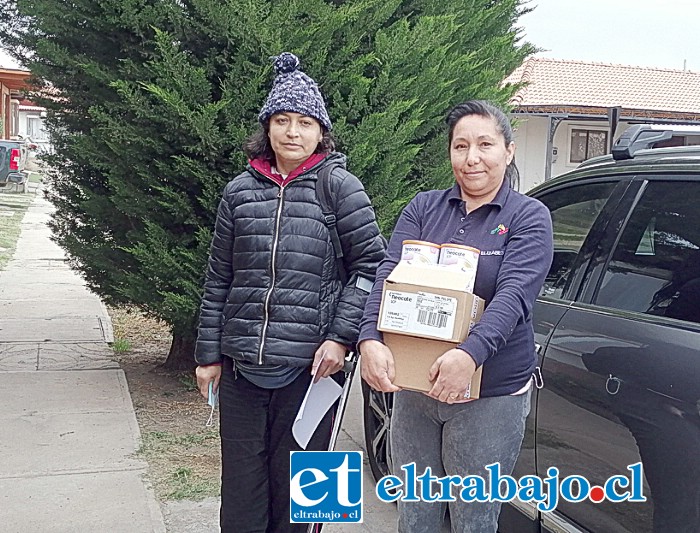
655	268
574	210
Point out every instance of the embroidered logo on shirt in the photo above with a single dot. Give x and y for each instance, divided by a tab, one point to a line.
500	230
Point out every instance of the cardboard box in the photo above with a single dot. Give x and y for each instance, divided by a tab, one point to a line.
425	311
429	301
413	358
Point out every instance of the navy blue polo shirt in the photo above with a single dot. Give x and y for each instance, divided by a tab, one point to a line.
514	234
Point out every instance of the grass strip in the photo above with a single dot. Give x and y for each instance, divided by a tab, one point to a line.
13	206
178	471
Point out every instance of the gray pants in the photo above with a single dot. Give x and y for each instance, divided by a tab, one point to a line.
455	440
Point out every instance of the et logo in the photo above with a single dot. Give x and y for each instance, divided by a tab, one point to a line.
325	487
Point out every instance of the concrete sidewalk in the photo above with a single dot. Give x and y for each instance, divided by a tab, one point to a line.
69	433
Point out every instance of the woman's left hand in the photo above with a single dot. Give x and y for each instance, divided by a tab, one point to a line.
328	359
451	373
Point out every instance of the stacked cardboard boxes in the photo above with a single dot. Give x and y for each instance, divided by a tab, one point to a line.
426	310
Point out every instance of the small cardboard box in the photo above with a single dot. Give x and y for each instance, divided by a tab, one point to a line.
413	358
425	311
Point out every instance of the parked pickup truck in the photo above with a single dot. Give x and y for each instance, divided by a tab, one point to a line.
13	157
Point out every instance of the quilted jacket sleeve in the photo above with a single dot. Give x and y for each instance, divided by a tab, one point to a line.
363	249
216	286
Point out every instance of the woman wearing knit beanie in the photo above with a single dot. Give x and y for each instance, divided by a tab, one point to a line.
274	311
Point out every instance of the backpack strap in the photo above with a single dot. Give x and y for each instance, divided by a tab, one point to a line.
328	207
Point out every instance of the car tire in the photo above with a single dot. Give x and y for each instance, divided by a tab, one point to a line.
377	408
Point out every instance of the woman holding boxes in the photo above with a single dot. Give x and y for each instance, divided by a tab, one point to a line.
440	429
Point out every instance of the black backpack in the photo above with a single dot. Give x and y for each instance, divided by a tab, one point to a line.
328	207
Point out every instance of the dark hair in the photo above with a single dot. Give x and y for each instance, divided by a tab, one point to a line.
258	146
486	109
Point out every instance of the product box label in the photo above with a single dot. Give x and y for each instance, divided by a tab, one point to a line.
420	313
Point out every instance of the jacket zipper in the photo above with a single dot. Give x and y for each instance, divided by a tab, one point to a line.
266	307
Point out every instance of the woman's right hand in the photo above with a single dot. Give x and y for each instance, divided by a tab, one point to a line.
377	365
206	374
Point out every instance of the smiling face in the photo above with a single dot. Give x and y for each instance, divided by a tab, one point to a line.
479	157
293	137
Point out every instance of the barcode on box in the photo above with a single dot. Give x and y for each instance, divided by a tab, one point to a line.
436	320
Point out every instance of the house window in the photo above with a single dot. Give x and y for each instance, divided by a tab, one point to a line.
35	129
586	144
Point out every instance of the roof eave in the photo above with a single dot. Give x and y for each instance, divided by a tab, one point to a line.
14	80
625	114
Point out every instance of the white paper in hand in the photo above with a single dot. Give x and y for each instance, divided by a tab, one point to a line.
319	398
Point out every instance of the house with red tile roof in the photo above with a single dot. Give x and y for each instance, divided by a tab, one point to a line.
32	123
569	111
12	82
20	117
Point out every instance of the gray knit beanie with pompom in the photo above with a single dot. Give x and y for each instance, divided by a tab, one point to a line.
294	91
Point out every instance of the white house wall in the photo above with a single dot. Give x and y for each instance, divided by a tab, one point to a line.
22	123
531	146
530	150
41	136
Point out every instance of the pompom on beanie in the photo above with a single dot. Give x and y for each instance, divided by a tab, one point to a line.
294	91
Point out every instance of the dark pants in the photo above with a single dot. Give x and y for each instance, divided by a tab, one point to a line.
256	438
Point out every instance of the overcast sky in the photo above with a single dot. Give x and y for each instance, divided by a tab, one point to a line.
6	62
650	33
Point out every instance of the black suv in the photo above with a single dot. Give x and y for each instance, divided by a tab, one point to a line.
617	327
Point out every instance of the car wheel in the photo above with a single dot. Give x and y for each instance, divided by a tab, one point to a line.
377	421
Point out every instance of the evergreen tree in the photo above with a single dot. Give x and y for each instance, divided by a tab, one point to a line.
150	100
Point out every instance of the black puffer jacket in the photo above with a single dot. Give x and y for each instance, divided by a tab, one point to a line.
272	292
